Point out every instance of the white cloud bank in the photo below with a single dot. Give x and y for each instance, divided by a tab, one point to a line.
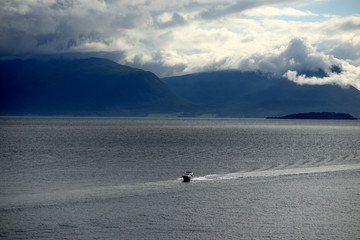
178	37
349	76
300	56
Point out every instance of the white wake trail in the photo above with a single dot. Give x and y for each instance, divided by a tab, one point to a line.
105	192
279	172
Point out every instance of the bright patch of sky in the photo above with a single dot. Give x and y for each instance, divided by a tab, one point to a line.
340	8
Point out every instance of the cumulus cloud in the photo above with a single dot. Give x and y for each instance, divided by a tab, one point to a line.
349	76
299	55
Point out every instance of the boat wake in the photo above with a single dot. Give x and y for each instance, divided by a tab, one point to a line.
107	192
278	172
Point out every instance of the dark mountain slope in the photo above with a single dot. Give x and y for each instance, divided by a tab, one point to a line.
82	87
251	94
211	87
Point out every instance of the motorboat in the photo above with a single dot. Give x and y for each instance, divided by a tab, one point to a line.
187	176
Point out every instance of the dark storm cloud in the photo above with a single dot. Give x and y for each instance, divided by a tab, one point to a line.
64	25
352	24
63	4
220	10
297	56
48	27
225	8
176	20
346	51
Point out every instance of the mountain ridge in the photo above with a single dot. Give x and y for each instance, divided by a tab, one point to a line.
91	86
101	87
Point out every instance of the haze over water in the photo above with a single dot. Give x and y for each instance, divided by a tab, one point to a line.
119	178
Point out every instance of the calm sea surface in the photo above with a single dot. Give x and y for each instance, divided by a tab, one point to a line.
119	178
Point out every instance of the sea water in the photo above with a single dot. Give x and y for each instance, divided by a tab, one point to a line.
120	178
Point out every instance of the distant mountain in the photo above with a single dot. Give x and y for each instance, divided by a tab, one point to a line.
91	86
253	94
317	115
102	87
214	87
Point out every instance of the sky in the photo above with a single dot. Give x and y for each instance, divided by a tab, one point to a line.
282	37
